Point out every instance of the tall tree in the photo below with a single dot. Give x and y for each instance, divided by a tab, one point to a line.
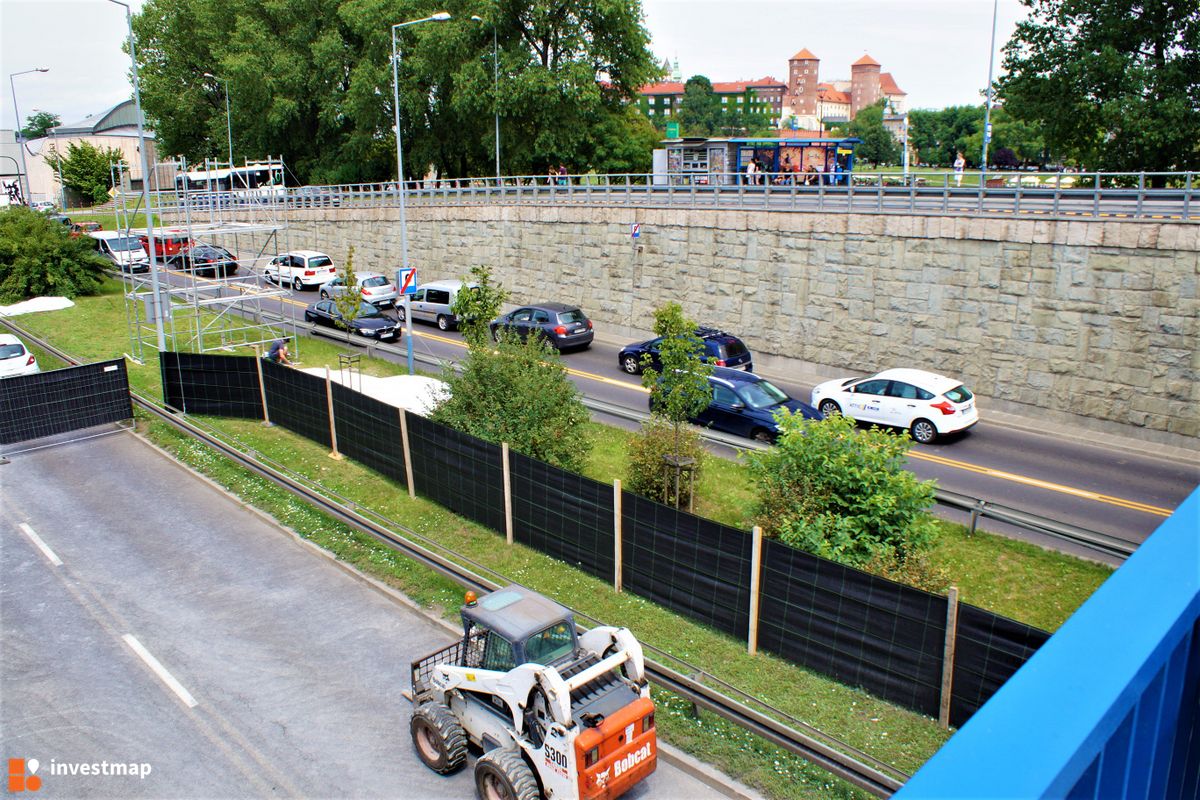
938	135
1115	83
700	110
85	168
38	123
878	145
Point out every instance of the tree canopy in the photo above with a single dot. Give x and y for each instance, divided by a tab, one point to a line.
39	258
878	145
85	168
311	80
38	123
1115	84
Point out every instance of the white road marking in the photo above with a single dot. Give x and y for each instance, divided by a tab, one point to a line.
40	545
159	670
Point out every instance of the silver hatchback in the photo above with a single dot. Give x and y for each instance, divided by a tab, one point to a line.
374	287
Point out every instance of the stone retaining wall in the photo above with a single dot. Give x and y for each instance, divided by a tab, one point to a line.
1094	322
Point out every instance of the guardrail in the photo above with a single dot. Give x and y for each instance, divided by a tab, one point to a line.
1058	194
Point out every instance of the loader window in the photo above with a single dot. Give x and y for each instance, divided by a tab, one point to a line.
549	645
498	654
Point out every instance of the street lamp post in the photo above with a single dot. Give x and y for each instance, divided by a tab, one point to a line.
20	137
987	109
157	304
440	16
228	123
495	91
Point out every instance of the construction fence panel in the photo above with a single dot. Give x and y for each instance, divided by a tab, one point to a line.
297	401
369	432
214	385
63	400
562	514
683	562
988	649
457	471
859	628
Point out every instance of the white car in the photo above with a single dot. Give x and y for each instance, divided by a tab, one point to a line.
14	358
374	287
44	205
300	269
927	404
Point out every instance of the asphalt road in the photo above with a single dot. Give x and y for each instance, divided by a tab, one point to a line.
279	673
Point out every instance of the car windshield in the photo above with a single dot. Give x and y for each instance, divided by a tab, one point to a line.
11	350
550	644
125	243
369	311
959	394
321	261
762	394
378	280
574	315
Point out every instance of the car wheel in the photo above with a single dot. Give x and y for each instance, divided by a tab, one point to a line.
270	278
297	285
631	365
496	335
324	295
309	317
764	436
923	431
828	408
443	323
400	313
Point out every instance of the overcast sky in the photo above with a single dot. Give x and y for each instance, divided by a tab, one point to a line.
937	50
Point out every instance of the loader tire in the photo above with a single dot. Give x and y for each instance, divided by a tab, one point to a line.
503	775
438	738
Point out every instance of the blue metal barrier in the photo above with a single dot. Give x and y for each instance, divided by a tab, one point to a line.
1109	707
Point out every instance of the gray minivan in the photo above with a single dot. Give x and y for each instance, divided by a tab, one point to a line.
434	302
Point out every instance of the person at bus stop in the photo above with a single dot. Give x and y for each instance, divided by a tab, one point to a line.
959	164
751	168
279	352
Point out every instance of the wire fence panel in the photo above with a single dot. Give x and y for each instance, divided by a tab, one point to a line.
219	386
564	515
859	628
297	401
683	562
63	400
988	649
369	432
457	471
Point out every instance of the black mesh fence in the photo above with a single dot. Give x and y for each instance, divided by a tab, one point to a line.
861	629
988	649
297	401
692	565
369	432
63	400
220	386
562	514
458	471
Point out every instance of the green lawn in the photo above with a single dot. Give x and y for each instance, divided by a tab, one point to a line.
1008	577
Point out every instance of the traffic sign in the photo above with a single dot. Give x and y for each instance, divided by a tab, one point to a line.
635	230
406	279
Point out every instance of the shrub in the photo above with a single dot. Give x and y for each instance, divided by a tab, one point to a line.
648	474
843	494
38	258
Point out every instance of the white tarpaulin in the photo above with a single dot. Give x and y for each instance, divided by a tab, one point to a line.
34	305
415	393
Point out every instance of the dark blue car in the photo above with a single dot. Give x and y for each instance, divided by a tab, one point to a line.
720	348
744	404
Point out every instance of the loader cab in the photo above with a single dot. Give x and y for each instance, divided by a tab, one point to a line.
514	626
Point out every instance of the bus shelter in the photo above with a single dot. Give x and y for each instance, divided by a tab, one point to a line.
777	161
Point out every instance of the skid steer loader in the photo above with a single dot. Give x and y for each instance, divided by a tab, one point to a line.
558	715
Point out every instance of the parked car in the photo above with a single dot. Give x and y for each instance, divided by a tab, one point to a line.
562	325
63	218
315	197
80	228
45	206
300	269
15	359
720	348
370	322
210	261
434	302
927	404
745	404
124	251
374	287
170	245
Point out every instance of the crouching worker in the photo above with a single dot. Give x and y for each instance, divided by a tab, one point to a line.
279	352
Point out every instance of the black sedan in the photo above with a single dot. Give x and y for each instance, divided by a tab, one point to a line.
370	322
210	261
563	326
718	347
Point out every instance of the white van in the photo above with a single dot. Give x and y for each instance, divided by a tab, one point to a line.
301	269
434	302
125	251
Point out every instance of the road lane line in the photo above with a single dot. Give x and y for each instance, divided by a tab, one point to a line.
159	670
40	545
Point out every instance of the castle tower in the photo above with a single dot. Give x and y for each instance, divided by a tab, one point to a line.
802	83
864	84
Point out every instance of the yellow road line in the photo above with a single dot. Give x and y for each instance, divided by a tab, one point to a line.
1054	487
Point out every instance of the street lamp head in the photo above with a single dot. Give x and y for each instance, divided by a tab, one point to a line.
440	16
42	69
476	18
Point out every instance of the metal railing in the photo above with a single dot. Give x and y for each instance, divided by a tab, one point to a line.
1107	195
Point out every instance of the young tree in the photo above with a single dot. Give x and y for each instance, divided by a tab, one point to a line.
478	304
842	493
350	300
85	168
38	123
878	145
1115	84
518	391
700	112
37	258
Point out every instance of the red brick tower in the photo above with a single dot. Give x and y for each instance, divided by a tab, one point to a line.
802	82
864	84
